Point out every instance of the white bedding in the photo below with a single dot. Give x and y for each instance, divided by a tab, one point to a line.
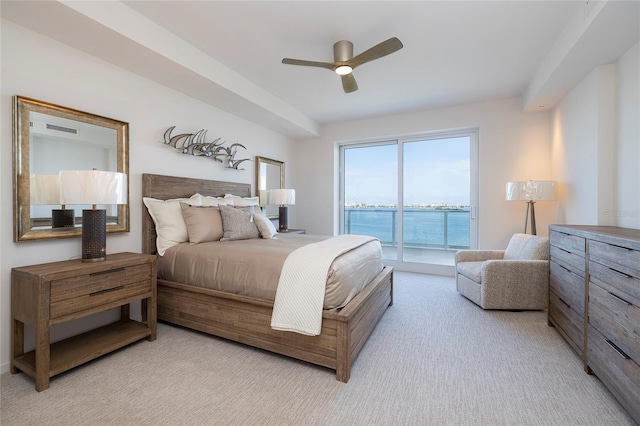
301	288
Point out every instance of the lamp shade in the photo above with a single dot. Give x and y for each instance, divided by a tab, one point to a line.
282	196
532	190
92	187
44	189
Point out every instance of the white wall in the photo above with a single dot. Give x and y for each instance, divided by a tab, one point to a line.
40	68
512	146
628	126
596	147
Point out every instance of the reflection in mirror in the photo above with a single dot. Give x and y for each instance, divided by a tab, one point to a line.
49	138
269	175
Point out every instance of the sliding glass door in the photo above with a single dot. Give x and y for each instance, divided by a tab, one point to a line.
417	195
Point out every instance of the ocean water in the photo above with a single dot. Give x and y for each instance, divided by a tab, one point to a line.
422	227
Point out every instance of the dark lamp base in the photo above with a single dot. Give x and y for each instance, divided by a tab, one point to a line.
284	219
94	235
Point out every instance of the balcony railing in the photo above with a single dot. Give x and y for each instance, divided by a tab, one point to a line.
422	228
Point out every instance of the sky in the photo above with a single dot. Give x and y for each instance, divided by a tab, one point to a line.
435	171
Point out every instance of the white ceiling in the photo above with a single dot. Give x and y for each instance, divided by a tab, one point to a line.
229	53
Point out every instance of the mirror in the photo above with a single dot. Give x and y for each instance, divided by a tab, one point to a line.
48	138
269	175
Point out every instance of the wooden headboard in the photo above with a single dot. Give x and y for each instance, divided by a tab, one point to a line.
166	187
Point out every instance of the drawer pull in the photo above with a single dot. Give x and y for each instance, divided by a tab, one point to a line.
565	268
106	290
617	349
564	303
621	299
620	273
109	271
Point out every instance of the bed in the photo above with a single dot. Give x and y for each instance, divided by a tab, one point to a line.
247	319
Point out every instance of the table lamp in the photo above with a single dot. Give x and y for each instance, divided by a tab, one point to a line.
96	188
282	197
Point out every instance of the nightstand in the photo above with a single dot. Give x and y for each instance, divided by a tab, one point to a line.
293	231
52	293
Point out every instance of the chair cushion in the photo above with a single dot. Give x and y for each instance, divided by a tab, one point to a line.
537	248
471	270
527	247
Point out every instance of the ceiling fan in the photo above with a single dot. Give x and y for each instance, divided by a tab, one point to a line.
345	62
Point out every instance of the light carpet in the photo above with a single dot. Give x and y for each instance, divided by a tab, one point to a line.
435	358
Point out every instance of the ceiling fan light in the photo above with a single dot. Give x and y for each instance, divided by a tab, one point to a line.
344	70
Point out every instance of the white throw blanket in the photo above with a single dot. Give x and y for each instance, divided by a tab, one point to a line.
300	293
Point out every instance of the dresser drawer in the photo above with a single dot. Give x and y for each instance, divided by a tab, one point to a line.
615	281
620	375
616	319
628	259
572	261
86	291
568	286
568	321
567	242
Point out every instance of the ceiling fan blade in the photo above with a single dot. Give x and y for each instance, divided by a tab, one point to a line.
349	83
378	51
327	65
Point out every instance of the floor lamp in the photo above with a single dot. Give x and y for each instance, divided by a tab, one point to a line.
531	191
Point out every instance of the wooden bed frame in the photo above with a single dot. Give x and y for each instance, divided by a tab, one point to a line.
248	320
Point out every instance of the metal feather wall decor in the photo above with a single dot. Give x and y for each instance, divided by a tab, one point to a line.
194	144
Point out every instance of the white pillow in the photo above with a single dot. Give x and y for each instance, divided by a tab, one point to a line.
265	226
167	215
240	201
214	201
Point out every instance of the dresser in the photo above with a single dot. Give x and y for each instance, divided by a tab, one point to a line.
594	303
53	293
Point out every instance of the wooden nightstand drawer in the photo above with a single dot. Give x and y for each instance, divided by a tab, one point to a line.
82	292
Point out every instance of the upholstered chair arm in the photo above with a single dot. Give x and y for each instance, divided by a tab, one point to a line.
515	284
478	255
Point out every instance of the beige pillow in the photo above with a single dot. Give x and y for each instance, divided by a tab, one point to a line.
237	223
265	226
170	226
204	223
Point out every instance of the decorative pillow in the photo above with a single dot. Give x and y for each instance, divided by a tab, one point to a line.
240	201
214	201
238	223
265	226
170	226
203	223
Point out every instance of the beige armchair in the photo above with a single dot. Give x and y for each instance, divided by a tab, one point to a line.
515	279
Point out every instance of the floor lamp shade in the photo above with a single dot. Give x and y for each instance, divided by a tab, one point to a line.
531	191
283	197
45	190
96	188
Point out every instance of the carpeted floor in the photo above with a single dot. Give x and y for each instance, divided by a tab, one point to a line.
434	359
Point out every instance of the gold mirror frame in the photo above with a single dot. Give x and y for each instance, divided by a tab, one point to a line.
22	221
264	181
